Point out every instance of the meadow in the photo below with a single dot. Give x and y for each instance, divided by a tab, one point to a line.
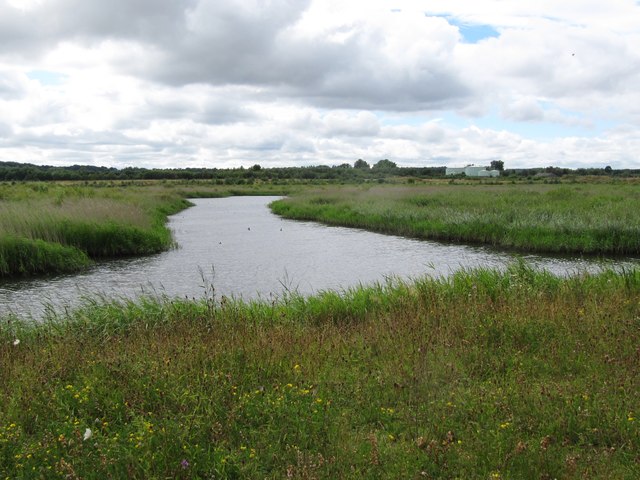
580	218
486	375
64	227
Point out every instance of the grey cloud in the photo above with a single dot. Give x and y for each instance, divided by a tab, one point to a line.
430	133
228	43
364	124
208	111
81	140
35	31
298	146
235	42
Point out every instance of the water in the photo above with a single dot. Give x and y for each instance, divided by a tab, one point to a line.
238	247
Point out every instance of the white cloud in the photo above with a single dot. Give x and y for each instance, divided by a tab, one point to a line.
284	82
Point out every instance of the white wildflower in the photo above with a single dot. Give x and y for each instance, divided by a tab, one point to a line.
16	342
87	434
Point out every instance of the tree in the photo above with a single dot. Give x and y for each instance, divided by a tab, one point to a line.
497	165
360	164
385	164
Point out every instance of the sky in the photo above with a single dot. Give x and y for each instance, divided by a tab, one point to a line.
230	83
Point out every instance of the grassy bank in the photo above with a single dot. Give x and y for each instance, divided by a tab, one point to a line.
484	375
580	218
49	228
53	228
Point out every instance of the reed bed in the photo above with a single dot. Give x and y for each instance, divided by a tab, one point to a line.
54	228
581	218
49	228
486	374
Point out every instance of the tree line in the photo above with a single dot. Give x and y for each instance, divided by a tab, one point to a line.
360	170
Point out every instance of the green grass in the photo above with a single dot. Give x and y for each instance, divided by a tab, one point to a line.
60	227
54	228
485	374
24	256
49	228
581	218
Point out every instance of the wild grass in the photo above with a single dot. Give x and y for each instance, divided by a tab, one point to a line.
53	228
24	256
565	218
485	374
48	228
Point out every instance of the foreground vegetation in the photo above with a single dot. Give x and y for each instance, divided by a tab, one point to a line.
484	375
54	228
594	218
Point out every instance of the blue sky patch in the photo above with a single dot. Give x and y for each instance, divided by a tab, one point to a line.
46	77
472	33
475	33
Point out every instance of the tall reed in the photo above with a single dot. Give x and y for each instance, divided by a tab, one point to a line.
103	220
53	228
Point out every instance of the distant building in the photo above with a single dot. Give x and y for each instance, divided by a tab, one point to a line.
454	171
472	171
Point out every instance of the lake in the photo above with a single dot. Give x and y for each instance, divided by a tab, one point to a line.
236	247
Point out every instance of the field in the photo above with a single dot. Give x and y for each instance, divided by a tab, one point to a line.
481	375
595	218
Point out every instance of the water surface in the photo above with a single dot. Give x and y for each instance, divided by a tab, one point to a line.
239	248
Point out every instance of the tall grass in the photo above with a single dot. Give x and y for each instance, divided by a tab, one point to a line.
591	219
485	374
55	228
49	228
24	256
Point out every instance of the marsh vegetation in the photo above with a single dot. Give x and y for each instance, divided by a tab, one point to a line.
54	228
484	374
596	218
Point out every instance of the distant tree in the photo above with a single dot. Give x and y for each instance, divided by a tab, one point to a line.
344	165
385	164
608	170
256	168
497	165
360	164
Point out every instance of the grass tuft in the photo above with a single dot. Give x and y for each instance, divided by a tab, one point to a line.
25	257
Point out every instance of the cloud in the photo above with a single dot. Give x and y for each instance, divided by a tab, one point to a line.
30	32
5	130
282	82
361	124
399	61
524	110
12	85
